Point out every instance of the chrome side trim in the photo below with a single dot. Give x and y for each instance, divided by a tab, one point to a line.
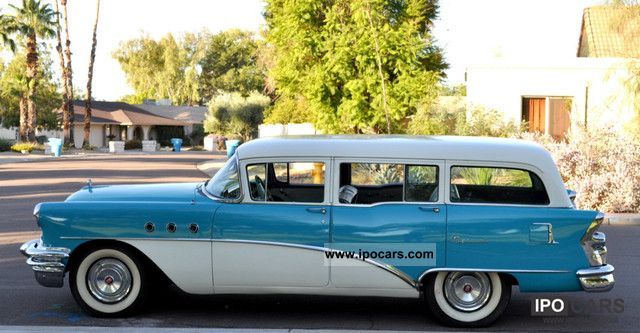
406	278
138	238
451	269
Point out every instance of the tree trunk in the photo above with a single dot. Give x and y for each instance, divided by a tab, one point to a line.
32	83
69	73
66	116
87	110
380	73
23	118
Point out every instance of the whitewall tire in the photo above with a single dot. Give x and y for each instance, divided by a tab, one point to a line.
467	299
108	282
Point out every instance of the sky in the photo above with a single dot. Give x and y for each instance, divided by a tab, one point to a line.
471	32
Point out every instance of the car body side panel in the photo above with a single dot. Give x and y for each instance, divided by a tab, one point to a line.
503	237
70	224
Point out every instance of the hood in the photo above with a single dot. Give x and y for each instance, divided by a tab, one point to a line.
173	192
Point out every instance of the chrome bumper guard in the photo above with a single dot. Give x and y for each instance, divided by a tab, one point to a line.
596	279
47	263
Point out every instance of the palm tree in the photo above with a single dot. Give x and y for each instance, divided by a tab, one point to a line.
5	33
69	73
67	129
87	110
30	20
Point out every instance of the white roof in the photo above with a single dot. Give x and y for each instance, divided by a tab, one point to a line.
398	146
450	148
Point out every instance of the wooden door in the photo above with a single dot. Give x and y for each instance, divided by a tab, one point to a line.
533	112
559	116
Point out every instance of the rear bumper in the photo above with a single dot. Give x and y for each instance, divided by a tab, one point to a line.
48	264
596	279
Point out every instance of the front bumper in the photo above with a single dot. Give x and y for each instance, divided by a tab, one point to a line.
596	279
48	264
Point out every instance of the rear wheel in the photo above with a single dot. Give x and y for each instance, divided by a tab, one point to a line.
109	282
467	299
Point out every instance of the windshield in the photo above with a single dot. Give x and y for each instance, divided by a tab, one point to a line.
225	183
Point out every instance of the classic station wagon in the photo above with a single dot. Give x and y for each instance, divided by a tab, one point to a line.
455	220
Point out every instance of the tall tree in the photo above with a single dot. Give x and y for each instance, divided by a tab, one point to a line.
68	75
87	110
67	129
363	66
13	87
192	68
6	32
230	64
30	20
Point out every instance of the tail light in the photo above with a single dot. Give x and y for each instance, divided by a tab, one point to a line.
593	243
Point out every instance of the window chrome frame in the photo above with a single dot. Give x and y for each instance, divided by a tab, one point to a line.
440	164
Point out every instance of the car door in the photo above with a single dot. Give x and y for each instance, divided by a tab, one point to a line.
274	237
396	212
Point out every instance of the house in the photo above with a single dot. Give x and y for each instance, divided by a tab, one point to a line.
590	90
120	121
193	116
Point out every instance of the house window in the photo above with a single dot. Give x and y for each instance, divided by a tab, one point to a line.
550	115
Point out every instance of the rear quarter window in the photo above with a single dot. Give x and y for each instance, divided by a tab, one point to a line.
496	185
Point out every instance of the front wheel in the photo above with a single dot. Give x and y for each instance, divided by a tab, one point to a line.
467	299
108	282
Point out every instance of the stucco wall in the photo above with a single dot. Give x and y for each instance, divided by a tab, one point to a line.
502	87
96	138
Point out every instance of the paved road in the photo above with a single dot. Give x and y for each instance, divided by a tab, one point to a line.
23	302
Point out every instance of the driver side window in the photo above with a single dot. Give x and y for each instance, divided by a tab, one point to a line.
257	175
287	181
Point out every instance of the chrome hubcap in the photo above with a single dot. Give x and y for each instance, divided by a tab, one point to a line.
467	291
109	280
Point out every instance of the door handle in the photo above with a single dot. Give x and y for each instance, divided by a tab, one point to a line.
317	210
430	209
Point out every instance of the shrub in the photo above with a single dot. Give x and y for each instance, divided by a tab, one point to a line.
602	166
133	144
196	148
438	120
27	146
231	113
5	145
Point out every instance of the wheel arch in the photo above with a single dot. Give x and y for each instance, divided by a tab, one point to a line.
507	277
81	250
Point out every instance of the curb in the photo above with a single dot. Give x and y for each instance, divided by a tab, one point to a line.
210	168
94	329
622	219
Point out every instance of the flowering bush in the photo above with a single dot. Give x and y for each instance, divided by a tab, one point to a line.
602	166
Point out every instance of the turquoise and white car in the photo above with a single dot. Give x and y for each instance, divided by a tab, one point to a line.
455	220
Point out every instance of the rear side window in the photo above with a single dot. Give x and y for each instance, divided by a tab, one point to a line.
496	185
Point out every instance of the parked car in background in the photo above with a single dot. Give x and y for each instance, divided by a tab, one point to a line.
455	220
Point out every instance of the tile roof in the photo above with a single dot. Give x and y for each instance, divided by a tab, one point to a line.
602	36
189	114
120	113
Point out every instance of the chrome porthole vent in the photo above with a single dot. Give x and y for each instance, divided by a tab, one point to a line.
149	227
171	227
193	228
